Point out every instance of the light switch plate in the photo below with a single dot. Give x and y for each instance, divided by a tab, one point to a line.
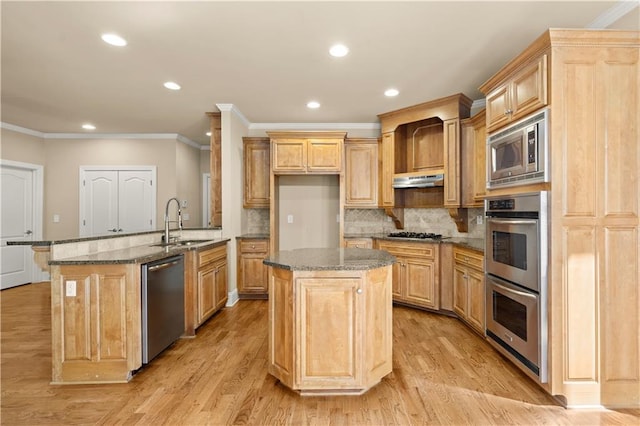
290	218
70	290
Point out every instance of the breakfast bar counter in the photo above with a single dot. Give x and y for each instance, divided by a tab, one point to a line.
330	319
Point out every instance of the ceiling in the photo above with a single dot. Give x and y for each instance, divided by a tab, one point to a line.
268	59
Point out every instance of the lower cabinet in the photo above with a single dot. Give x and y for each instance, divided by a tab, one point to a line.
253	275
416	274
95	323
206	286
469	288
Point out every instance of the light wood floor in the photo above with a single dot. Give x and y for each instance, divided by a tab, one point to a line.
442	374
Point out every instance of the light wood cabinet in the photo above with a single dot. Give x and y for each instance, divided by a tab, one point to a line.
473	158
361	173
253	275
216	169
416	273
423	138
469	288
594	255
349	312
523	93
206	276
95	323
358	243
306	152
257	160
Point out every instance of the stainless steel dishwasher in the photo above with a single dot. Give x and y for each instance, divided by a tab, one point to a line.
162	305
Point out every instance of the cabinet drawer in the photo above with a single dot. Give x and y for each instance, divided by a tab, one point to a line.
422	250
254	246
211	255
469	258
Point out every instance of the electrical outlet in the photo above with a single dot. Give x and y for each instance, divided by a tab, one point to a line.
479	219
290	218
56	218
70	290
185	216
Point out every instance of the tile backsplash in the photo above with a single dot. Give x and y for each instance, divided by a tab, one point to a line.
374	221
370	221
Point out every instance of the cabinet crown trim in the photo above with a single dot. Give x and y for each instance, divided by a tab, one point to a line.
307	135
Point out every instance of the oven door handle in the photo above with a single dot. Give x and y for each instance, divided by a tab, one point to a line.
512	222
497	281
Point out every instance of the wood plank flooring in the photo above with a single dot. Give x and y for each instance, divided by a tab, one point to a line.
442	374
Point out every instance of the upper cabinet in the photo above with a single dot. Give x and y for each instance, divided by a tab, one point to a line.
257	160
423	139
216	169
525	92
361	173
472	164
306	152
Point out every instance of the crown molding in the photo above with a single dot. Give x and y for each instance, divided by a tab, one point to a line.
172	136
236	111
314	126
613	14
479	103
22	130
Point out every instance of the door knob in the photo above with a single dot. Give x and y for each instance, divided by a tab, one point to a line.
28	232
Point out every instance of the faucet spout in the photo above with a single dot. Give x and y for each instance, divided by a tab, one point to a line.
167	236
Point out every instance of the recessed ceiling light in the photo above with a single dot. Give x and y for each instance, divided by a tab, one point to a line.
209	134
391	92
313	104
171	85
88	126
114	40
338	50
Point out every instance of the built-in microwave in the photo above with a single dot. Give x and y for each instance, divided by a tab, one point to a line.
518	154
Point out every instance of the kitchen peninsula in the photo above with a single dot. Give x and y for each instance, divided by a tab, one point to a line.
330	319
96	297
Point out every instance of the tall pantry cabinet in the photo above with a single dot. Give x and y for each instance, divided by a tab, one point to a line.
594	271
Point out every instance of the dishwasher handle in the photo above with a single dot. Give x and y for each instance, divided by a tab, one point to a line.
163	265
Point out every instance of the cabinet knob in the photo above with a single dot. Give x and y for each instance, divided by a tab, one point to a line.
359	291
253	246
508	111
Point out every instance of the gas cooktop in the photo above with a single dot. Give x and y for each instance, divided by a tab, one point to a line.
419	235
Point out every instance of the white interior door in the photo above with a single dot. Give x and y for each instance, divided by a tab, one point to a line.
135	201
100	215
17	223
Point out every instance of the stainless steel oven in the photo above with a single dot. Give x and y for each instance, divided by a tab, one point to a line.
516	278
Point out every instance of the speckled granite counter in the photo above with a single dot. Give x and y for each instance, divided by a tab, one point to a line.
330	259
137	254
253	237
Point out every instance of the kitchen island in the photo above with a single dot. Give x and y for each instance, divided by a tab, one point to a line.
330	319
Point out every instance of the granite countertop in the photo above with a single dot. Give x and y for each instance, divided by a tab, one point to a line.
101	237
136	254
476	244
330	259
253	237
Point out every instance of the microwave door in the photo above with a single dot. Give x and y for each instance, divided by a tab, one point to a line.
508	157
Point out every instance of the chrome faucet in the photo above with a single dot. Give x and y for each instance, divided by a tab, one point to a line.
167	239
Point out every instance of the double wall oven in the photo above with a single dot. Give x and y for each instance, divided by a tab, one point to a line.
516	278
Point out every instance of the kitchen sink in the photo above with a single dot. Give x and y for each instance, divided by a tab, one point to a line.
180	243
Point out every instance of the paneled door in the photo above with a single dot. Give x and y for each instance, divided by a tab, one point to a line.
17	224
116	201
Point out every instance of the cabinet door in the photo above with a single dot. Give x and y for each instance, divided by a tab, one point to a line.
480	164
497	107
361	174
421	282
289	155
253	274
460	291
398	278
324	155
329	310
452	163
476	309
387	170
206	293
257	154
220	282
529	89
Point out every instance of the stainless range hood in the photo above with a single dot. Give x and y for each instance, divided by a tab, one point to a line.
417	180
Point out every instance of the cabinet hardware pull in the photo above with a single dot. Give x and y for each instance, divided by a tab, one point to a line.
508	111
359	291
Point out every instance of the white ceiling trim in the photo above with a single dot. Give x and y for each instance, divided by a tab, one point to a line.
236	111
314	126
613	14
22	130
